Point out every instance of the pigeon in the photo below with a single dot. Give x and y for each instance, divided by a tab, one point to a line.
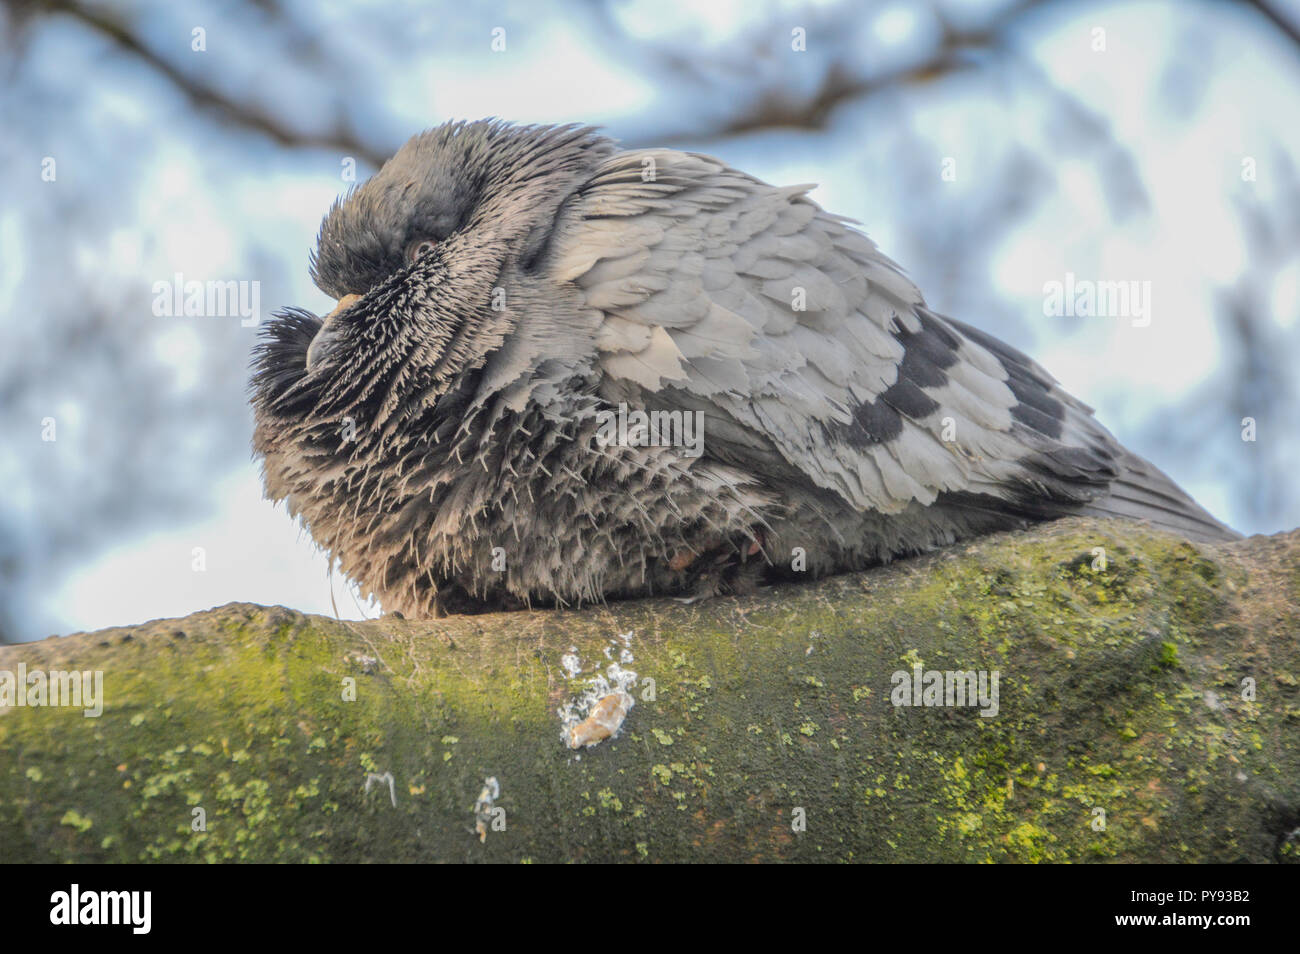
561	372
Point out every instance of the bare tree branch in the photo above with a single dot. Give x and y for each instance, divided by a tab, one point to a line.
341	137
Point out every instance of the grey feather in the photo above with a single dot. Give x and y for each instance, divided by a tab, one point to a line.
444	442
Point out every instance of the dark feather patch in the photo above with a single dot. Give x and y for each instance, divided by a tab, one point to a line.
1008	355
926	352
906	398
1035	419
873	423
1084	464
1037	408
937	343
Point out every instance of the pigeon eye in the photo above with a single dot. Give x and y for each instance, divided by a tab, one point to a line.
419	248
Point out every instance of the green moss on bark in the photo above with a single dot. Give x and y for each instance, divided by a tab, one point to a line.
1121	699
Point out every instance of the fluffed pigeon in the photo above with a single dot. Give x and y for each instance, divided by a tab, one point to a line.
468	429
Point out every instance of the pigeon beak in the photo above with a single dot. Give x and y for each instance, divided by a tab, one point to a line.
320	343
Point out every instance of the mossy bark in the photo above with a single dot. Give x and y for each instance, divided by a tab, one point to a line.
1148	711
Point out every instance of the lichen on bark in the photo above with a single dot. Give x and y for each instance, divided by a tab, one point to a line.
1148	711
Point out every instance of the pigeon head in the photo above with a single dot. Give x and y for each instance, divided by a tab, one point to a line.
491	181
420	258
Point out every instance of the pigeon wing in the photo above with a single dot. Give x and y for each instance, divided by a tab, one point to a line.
809	350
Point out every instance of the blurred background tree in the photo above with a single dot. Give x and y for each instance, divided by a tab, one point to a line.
989	147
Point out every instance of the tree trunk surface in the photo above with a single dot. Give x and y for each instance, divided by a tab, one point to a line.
1147	710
